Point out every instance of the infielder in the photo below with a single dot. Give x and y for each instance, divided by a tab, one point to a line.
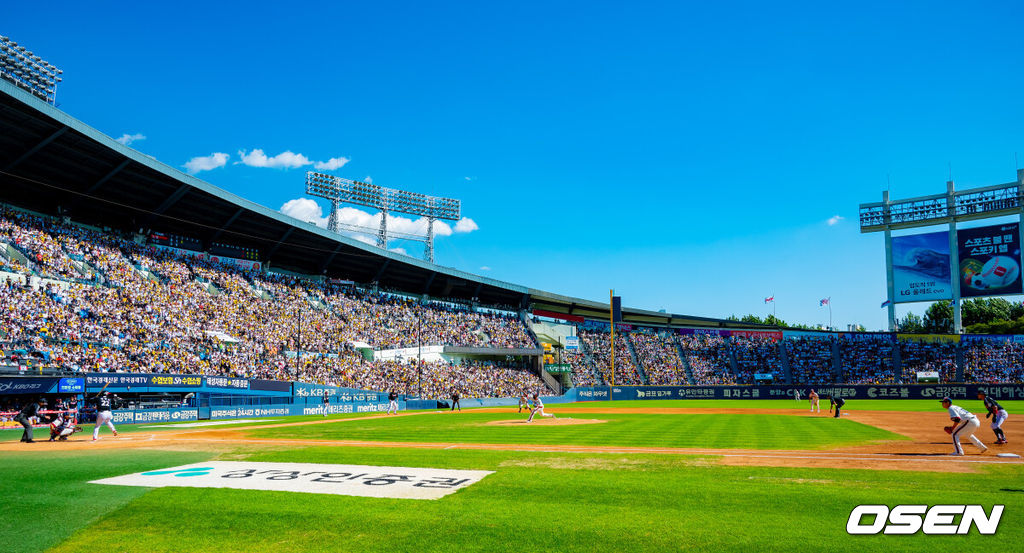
964	424
523	402
392	402
813	396
538	407
998	415
103	414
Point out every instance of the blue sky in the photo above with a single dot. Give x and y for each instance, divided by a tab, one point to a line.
697	157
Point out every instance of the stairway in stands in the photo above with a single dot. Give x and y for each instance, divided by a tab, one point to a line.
686	362
636	359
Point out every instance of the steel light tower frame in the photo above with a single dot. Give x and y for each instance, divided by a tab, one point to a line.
27	70
338	190
940	209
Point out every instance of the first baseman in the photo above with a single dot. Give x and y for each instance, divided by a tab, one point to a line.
998	415
964	424
814	400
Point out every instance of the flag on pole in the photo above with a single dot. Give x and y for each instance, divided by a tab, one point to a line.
886	303
823	302
770	299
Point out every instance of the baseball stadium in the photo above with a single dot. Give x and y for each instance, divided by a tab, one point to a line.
184	369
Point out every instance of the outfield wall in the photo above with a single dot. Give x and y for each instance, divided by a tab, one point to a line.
894	391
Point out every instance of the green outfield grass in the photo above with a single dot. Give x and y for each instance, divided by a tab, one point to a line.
621	429
533	502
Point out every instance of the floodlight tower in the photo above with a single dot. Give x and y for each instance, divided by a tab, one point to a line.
27	70
337	190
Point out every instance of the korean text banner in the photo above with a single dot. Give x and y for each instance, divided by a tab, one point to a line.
989	260
921	267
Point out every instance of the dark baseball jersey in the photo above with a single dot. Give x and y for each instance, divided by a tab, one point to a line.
103	403
992	406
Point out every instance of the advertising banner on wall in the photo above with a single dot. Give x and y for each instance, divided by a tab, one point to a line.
989	260
921	267
848	391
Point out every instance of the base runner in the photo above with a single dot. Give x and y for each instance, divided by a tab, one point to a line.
964	424
998	415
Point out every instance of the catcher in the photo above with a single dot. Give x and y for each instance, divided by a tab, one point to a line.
63	425
964	424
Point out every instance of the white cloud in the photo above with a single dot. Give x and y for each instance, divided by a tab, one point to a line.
206	163
834	219
468	178
331	164
368	179
284	160
399	250
305	210
466	224
485	268
127	139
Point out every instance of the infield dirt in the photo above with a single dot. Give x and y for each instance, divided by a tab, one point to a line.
927	449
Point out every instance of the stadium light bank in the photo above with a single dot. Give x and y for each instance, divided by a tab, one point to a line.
28	71
337	190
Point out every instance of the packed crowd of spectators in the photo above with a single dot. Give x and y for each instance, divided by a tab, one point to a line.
993	360
810	360
598	343
660	357
867	361
582	372
926	356
757	355
708	357
126	307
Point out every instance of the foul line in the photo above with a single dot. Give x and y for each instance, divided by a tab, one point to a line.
823	456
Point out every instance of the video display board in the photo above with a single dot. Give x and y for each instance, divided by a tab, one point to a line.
921	267
989	260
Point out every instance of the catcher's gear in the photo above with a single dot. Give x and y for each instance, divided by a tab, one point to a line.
948	429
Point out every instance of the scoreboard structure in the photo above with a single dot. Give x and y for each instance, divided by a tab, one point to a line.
956	263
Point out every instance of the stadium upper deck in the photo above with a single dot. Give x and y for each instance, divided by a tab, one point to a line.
55	164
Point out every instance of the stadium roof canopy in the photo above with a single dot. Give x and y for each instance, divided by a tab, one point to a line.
54	164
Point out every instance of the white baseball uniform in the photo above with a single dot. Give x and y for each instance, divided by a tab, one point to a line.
538	407
966	427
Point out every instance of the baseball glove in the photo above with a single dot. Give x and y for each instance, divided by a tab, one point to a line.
948	429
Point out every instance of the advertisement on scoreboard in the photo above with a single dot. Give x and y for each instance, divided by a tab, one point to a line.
921	267
989	260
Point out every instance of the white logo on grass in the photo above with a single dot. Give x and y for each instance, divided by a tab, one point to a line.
910	519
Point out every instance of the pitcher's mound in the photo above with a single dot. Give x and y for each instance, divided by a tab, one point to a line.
544	421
